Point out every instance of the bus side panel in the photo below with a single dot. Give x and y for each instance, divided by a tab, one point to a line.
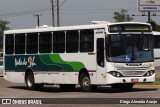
88	60
57	78
14	77
50	68
157	57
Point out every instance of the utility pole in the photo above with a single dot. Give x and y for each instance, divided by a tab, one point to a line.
58	20
52	3
37	15
149	17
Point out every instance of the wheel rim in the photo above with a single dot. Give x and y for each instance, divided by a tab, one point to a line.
30	81
86	82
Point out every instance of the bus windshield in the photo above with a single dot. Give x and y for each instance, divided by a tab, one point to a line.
129	48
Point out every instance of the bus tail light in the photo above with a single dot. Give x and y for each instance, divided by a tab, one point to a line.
115	74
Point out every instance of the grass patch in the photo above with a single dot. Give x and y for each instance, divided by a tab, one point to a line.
157	80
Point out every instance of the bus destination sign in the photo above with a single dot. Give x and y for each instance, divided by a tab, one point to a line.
129	28
136	28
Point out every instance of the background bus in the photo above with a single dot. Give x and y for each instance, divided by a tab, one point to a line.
156	36
1	64
103	53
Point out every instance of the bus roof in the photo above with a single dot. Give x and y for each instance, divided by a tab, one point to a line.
42	29
45	28
132	23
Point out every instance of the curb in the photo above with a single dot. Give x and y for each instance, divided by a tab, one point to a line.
147	85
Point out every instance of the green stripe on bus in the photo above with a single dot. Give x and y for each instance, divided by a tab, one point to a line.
57	60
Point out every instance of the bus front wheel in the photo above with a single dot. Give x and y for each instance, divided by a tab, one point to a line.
85	83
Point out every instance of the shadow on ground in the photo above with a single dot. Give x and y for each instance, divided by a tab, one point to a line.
52	89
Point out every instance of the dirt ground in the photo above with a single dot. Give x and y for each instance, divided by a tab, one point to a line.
157	70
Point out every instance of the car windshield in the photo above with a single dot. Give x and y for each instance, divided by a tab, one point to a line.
129	48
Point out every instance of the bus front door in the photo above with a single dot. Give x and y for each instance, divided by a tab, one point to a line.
100	61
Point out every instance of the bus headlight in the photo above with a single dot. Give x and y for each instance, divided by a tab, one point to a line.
118	74
149	73
115	74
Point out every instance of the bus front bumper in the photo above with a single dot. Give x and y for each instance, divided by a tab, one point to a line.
118	80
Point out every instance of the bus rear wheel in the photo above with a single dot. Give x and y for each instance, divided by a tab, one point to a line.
67	87
85	83
30	82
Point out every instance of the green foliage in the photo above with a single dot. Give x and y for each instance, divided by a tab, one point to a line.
122	16
157	80
155	26
3	26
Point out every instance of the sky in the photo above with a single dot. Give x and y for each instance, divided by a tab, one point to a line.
72	12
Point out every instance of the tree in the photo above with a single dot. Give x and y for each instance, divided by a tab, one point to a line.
122	16
155	26
3	26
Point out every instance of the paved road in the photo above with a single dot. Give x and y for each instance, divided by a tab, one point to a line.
12	90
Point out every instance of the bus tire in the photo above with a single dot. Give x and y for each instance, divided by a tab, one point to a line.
123	87
85	83
67	87
30	82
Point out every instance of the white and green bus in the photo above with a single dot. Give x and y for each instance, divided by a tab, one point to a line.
103	53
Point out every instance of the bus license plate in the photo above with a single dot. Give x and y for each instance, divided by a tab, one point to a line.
134	80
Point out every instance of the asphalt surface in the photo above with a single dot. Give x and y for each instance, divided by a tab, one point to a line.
78	98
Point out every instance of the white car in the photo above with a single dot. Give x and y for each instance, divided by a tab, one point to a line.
1	67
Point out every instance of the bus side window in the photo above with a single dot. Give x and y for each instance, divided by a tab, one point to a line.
20	44
100	52
156	41
59	42
86	41
45	42
72	38
32	43
9	44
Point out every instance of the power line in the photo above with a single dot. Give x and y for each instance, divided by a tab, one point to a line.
21	7
21	4
26	9
25	12
29	10
63	2
83	11
7	15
